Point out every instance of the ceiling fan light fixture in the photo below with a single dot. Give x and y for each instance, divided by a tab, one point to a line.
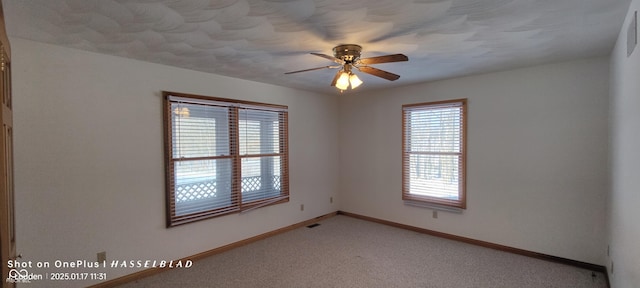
355	81
347	56
343	81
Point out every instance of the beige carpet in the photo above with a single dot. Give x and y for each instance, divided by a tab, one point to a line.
348	252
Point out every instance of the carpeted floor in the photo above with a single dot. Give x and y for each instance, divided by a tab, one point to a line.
348	252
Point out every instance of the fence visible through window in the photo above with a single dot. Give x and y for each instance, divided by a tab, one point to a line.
203	190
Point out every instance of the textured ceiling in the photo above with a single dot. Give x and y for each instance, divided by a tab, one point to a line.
259	40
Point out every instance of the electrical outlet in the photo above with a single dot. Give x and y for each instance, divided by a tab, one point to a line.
330	199
435	214
102	256
301	207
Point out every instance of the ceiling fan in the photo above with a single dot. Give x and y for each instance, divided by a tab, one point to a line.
347	57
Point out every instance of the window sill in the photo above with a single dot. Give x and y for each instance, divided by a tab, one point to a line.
433	206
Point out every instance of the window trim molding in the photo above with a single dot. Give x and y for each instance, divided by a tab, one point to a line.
462	191
232	104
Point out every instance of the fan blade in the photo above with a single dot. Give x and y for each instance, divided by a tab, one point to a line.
311	69
384	59
334	59
335	78
380	73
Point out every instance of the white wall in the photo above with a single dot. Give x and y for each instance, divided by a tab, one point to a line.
537	157
624	212
89	172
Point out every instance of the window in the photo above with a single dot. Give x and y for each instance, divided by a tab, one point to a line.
434	153
223	156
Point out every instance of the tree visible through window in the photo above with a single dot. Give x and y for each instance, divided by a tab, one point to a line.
223	156
434	154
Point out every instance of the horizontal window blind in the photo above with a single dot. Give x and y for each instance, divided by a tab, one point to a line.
222	158
199	130
434	152
261	154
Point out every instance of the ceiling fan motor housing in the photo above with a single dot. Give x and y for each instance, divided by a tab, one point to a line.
347	52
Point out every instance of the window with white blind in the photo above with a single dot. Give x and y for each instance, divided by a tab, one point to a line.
434	153
223	156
